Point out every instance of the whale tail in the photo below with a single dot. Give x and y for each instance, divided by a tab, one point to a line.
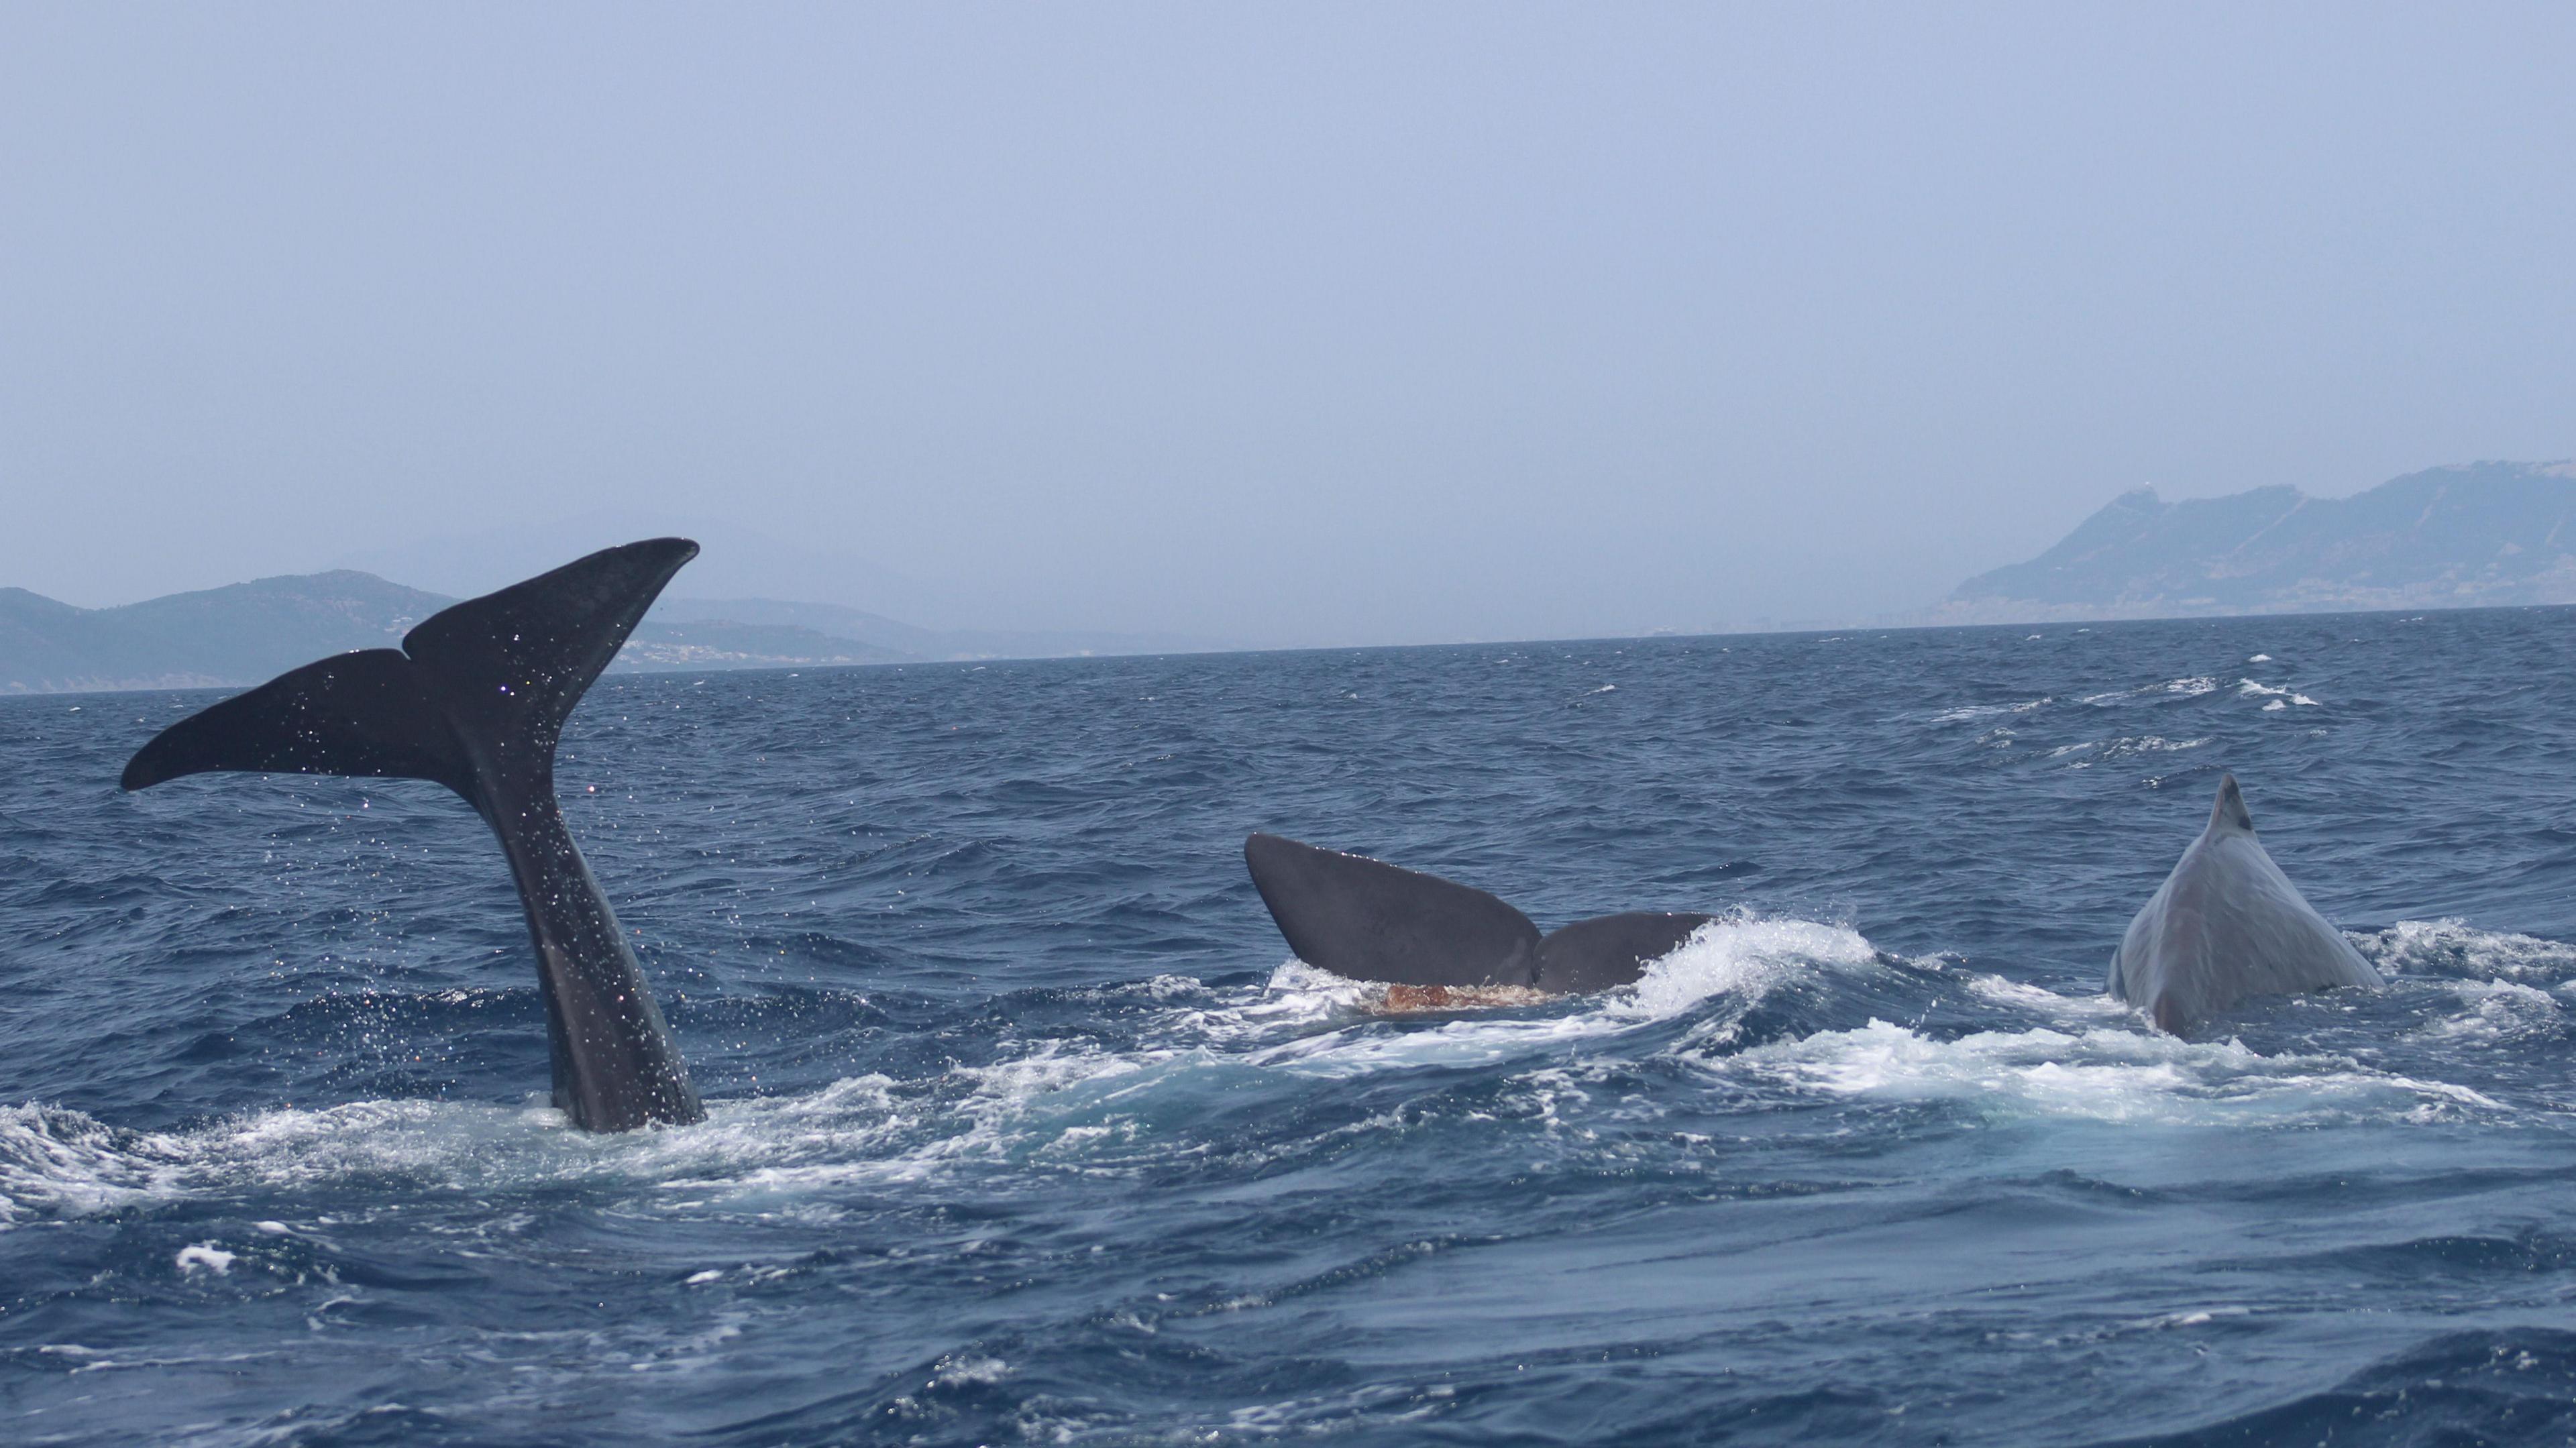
1365	919
476	700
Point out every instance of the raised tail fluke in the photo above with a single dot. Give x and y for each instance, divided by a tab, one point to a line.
511	665
476	700
364	713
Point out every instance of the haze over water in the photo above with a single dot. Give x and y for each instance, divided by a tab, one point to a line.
1333	324
1025	1128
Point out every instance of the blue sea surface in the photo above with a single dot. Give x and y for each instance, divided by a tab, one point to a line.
1024	1127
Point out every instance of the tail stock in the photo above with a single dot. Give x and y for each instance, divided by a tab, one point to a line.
476	700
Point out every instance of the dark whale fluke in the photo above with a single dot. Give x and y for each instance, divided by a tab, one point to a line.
2225	925
1367	920
475	699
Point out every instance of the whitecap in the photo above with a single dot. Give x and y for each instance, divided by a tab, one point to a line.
958	1370
2452	947
2098	1074
2247	688
1741	955
2122	748
2496	1010
1969	712
2039	1000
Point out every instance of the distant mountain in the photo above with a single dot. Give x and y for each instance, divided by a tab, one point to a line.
257	629
735	562
2471	535
725	644
742	573
237	634
829	619
880	632
249	632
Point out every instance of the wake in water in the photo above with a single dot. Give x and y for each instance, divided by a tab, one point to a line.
1772	1007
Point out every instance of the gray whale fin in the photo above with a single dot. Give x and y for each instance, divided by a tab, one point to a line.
476	700
1365	919
2226	925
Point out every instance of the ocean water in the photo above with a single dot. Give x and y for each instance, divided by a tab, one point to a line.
1024	1127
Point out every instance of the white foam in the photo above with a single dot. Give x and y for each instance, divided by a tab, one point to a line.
1745	955
2247	688
956	1371
2041	1001
1741	955
2097	1074
2102	749
2453	947
1988	711
62	1163
206	1257
2496	1010
1053	1105
2189	688
1084	1106
56	1163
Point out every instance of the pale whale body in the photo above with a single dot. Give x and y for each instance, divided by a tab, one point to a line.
2225	925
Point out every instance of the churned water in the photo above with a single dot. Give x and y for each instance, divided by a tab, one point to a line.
1024	1128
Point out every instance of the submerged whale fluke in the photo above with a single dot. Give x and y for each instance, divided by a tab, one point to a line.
476	699
1611	950
2225	925
1367	920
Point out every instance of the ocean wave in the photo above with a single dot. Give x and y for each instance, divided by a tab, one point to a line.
1091	1105
2454	948
1988	711
1741	957
56	1163
1047	1106
2189	687
2099	1074
2080	756
2280	698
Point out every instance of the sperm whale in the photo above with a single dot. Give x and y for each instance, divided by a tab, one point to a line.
1367	920
2225	925
475	699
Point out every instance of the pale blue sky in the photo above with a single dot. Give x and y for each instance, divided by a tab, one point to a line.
1301	323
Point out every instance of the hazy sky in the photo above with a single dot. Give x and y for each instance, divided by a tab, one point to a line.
1303	323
